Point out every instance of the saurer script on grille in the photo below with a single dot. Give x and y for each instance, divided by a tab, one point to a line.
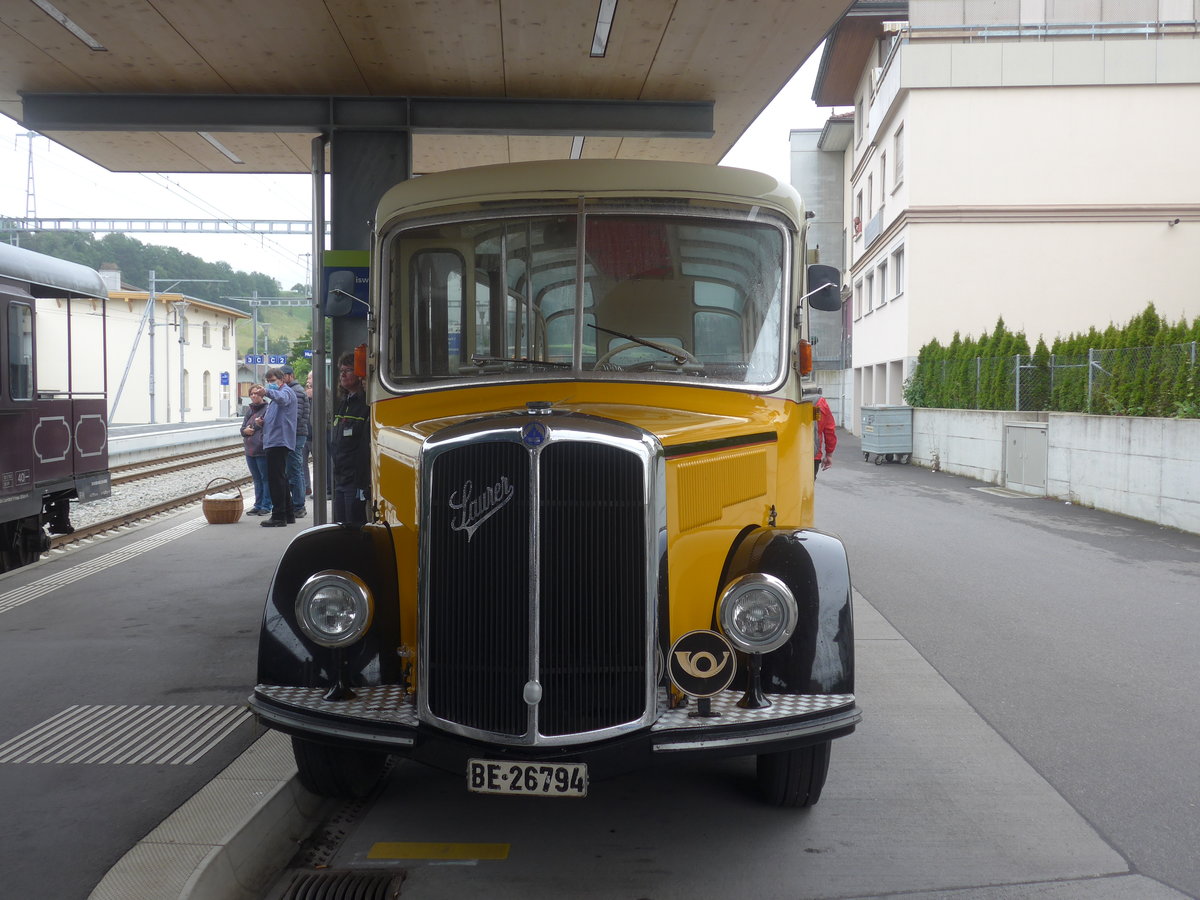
475	509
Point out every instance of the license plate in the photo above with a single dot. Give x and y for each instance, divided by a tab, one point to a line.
489	776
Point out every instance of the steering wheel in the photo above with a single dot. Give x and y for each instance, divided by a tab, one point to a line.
629	345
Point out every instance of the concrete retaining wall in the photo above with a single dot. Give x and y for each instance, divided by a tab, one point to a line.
1140	467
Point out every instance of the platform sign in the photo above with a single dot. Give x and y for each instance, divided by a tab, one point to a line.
276	360
255	359
347	271
225	378
308	354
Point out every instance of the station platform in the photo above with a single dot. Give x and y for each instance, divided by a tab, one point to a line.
924	800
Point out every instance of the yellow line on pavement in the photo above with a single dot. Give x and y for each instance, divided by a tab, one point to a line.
418	850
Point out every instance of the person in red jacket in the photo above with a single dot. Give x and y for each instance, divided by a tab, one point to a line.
825	435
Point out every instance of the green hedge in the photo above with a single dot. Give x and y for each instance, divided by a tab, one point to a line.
1148	367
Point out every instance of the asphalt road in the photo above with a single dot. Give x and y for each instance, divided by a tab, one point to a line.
1072	632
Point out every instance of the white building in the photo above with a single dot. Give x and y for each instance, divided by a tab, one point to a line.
153	353
1031	159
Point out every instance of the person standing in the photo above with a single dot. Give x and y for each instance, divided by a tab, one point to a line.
295	466
256	456
279	439
825	435
350	447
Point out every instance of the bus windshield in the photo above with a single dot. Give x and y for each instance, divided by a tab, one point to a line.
619	294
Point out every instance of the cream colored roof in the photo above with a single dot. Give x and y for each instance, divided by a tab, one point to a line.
590	178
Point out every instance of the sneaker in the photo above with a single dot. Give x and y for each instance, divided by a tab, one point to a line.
258	512
301	513
273	523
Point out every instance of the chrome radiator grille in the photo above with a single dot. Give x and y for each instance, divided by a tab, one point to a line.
536	574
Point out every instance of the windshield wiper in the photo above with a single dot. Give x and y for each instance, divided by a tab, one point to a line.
482	361
672	352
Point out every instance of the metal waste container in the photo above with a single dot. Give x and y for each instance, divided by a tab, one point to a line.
887	433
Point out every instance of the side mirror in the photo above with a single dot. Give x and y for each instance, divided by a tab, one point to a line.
340	299
824	286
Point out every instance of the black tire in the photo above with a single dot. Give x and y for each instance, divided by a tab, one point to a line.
793	778
879	459
342	772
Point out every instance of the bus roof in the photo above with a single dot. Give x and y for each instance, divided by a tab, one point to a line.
599	178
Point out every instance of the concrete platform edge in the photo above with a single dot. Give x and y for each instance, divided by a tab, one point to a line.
229	841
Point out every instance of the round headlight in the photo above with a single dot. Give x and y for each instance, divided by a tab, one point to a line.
334	608
757	613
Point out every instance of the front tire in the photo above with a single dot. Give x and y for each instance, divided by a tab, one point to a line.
342	772
794	778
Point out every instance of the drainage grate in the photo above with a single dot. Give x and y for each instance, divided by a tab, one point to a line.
343	886
125	735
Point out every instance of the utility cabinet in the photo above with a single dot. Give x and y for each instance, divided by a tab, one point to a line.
887	433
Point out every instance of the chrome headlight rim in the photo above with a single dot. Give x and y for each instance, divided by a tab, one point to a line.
749	583
362	603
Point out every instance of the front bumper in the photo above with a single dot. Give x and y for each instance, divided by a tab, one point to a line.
385	718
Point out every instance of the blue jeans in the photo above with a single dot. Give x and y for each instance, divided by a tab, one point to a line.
295	472
258	471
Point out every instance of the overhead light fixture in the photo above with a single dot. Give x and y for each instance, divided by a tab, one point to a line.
604	20
61	18
577	147
217	145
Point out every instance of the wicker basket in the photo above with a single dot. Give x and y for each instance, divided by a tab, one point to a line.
221	510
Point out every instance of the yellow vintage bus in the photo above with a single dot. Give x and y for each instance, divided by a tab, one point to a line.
592	543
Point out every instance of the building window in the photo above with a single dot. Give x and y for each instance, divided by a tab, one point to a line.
858	120
869	292
224	337
898	272
858	293
185	402
858	214
208	390
883	177
898	155
870	195
206	334
883	282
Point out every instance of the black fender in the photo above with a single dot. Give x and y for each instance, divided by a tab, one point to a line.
287	657
819	656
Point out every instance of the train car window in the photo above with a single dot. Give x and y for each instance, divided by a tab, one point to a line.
20	351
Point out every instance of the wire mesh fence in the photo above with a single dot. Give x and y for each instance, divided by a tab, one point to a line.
1138	381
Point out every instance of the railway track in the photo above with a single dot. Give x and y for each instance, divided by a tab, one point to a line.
166	465
60	541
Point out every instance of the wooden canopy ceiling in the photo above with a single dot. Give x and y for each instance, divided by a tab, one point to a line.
230	85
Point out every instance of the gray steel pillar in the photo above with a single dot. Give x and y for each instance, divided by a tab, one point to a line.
363	164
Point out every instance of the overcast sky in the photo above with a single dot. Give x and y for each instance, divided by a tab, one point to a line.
67	186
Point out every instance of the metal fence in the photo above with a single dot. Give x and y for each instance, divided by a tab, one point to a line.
1140	381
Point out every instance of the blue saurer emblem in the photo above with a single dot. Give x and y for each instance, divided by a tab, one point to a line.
534	434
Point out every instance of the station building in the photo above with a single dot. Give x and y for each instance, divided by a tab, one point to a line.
1026	159
155	353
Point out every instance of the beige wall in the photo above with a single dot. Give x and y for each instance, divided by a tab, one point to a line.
1076	146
